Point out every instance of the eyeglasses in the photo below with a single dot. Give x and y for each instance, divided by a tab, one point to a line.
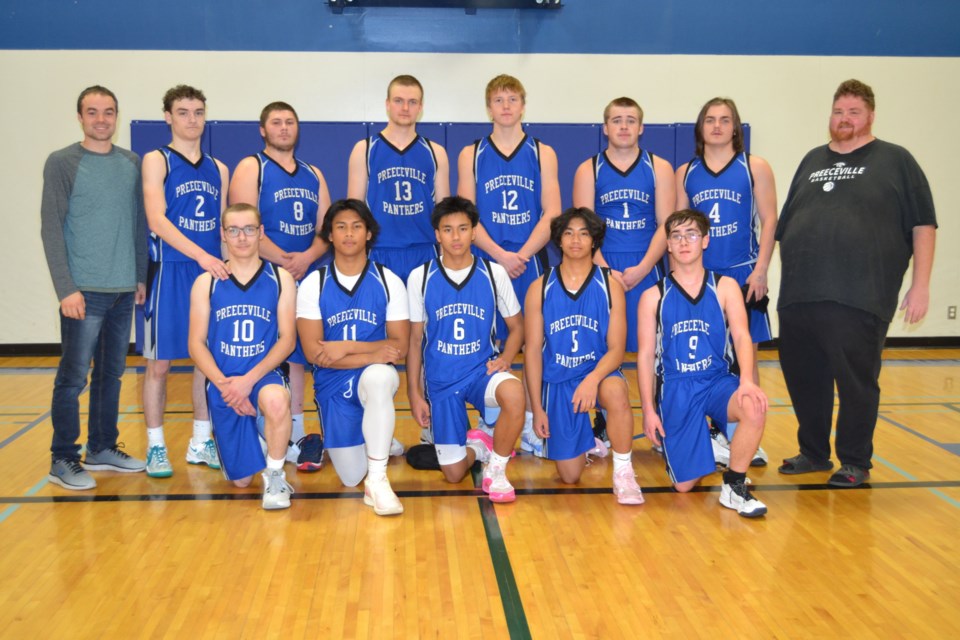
689	236
249	231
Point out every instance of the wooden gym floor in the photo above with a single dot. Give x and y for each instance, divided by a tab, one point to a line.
190	556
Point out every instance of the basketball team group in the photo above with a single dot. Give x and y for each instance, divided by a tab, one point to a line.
670	264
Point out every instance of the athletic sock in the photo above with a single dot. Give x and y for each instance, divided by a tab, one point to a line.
732	477
155	437
621	460
202	431
498	460
376	468
297	431
274	465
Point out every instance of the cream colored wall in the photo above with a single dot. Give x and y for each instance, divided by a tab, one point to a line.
785	99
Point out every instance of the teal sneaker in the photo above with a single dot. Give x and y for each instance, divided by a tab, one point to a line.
158	464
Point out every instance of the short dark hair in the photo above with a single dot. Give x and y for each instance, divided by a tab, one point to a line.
595	225
687	215
97	90
349	204
182	92
454	204
277	106
856	89
737	125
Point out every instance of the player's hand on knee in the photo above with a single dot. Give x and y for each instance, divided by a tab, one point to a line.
748	392
584	397
245	408
497	364
74	306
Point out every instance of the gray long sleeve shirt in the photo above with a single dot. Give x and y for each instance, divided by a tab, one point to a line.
93	224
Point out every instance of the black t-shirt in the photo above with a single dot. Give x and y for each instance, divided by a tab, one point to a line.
846	229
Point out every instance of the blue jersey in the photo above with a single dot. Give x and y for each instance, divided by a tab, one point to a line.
400	191
459	332
243	320
574	325
193	195
625	200
288	203
693	339
508	191
727	199
358	314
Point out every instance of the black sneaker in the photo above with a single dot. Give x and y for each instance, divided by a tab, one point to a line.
849	476
311	453
600	428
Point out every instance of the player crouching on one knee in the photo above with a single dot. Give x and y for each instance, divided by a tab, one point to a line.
353	322
242	329
454	301
575	327
686	323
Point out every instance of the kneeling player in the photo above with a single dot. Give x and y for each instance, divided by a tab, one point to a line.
575	329
685	324
453	304
353	323
241	331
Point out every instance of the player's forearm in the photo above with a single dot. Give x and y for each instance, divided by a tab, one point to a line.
172	236
743	346
924	244
269	251
483	240
538	239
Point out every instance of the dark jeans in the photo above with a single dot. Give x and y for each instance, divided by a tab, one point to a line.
822	343
103	336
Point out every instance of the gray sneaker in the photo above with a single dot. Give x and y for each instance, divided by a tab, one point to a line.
113	459
70	475
276	489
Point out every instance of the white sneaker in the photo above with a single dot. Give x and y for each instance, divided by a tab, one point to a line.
396	448
378	493
721	448
496	485
293	452
276	489
625	487
530	442
600	450
760	458
737	496
205	453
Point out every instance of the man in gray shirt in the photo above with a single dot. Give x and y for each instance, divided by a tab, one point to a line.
94	234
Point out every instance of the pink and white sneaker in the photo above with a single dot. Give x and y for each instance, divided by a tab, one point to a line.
496	485
625	487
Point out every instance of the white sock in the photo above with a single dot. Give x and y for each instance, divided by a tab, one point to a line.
155	437
376	469
498	460
274	465
621	460
202	431
297	431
